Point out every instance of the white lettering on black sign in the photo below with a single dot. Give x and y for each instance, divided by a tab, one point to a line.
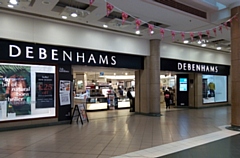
15	51
197	67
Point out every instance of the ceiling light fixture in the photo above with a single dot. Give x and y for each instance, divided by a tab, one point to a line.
74	15
105	25
137	32
185	41
10	6
14	2
152	32
64	17
45	2
203	45
199	42
219	48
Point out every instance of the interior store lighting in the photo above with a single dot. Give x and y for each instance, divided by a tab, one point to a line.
64	17
152	32
14	2
74	15
199	42
10	6
119	77
219	48
203	45
137	32
185	41
105	25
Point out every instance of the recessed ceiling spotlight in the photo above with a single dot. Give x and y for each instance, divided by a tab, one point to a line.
219	48
64	17
137	32
126	73
114	74
186	41
10	6
74	15
199	42
105	25
14	2
46	2
203	45
152	32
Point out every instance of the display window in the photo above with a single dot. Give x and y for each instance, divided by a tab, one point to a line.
27	91
214	88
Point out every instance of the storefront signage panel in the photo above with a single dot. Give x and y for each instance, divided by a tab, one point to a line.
31	52
44	90
26	91
187	66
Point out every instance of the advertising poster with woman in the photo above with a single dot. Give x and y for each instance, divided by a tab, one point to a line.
15	88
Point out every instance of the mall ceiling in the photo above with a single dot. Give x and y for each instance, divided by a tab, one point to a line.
171	15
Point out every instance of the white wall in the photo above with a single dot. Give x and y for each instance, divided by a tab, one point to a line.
48	32
31	29
193	54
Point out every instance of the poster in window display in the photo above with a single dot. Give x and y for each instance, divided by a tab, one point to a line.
44	90
15	88
64	92
214	88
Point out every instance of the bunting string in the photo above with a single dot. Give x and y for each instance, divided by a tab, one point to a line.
139	22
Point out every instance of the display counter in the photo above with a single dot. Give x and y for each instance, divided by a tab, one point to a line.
123	103
96	103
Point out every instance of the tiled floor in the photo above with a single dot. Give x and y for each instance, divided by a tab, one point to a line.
113	133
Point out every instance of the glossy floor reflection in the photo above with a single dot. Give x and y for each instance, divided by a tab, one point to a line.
119	133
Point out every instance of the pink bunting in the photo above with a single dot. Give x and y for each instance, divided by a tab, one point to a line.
138	23
91	2
208	33
162	32
173	35
225	24
191	35
109	8
215	31
150	28
124	17
235	17
220	29
200	35
183	36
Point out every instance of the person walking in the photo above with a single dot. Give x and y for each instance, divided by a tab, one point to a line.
167	98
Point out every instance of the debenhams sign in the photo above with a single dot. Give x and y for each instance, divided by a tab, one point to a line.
50	54
54	55
184	66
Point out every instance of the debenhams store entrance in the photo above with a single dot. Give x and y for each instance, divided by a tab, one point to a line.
102	88
196	84
40	82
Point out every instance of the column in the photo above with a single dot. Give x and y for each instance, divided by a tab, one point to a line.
147	83
235	73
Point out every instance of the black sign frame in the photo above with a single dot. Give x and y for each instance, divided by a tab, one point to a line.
196	67
43	53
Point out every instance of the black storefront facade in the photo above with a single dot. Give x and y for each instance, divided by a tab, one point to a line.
31	76
199	85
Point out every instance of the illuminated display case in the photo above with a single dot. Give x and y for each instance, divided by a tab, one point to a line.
27	91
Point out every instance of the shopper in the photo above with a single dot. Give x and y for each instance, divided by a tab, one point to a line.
129	95
167	96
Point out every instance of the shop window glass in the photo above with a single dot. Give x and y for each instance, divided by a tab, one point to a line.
26	91
214	88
